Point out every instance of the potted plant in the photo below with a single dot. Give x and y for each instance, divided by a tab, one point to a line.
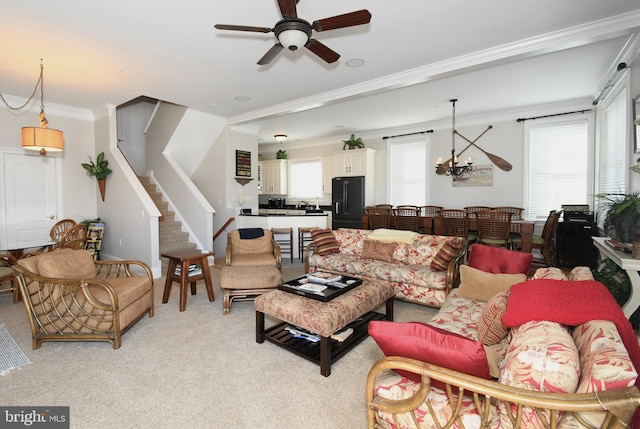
621	215
281	154
353	143
100	170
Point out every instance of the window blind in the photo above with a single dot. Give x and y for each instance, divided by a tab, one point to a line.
558	166
305	179
407	172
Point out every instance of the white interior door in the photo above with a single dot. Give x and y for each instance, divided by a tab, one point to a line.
30	193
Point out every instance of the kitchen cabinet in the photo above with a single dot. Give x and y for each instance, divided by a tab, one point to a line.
356	162
272	177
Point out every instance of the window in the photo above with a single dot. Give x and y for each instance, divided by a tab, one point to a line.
612	126
407	171
557	158
305	179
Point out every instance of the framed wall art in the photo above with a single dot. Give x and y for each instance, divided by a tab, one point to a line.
480	175
243	163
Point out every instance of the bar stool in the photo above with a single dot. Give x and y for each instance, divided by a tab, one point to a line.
304	237
285	243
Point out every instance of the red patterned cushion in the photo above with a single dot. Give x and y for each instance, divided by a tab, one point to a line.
325	241
499	261
447	252
491	330
373	249
427	343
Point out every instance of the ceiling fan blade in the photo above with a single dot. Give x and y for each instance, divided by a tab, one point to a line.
243	28
288	8
322	51
271	54
340	21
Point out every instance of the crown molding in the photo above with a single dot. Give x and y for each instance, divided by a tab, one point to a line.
51	109
554	41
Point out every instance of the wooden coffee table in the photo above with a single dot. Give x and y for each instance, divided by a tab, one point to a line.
353	309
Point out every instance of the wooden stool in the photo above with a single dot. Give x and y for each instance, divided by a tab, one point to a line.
286	243
184	260
304	237
241	283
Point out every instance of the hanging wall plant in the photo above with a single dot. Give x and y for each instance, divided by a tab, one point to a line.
100	170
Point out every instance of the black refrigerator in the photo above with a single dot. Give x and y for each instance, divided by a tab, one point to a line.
347	201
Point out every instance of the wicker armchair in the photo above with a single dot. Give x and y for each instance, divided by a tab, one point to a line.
251	252
616	406
7	278
69	297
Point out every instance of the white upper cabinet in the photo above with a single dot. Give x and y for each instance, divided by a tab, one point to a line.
356	162
273	176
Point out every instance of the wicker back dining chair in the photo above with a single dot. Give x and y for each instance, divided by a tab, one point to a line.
7	277
429	211
58	230
74	238
494	227
544	242
379	217
452	222
515	211
472	210
406	218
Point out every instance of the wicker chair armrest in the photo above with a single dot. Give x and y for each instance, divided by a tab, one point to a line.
453	269
111	269
277	253
618	404
227	254
308	251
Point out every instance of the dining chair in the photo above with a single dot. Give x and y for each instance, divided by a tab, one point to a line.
406	218
379	217
429	211
452	222
494	227
472	210
384	206
516	211
545	242
7	277
60	227
74	238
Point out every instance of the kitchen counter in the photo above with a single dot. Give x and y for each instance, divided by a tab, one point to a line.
285	219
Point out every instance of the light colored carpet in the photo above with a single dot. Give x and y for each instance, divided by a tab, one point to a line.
195	369
11	357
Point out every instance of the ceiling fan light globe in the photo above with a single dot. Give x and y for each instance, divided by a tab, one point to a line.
293	39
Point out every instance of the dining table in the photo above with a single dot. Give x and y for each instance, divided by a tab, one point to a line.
520	226
17	250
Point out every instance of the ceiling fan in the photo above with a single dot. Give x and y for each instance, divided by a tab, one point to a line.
293	32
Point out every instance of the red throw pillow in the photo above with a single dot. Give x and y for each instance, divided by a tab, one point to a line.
325	241
430	344
499	261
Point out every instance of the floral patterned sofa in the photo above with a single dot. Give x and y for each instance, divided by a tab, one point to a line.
544	374
422	268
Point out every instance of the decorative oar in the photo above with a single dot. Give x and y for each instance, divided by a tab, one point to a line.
501	163
441	171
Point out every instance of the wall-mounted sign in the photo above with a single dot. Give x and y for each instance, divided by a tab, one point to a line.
243	163
480	175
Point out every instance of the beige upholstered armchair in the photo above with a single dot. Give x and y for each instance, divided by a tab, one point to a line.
260	250
70	297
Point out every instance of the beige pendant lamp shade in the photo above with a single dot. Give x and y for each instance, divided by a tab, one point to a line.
41	138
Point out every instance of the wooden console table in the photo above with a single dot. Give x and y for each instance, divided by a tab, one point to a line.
627	263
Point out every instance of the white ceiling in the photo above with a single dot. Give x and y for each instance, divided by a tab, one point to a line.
492	55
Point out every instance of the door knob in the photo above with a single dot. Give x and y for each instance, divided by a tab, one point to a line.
52	217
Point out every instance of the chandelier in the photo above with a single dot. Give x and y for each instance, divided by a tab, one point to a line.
451	167
40	138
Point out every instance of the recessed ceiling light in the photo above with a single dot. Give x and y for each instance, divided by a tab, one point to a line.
355	62
242	98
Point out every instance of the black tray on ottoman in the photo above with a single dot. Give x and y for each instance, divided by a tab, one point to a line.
334	288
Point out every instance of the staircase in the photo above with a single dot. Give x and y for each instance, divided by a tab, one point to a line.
171	235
